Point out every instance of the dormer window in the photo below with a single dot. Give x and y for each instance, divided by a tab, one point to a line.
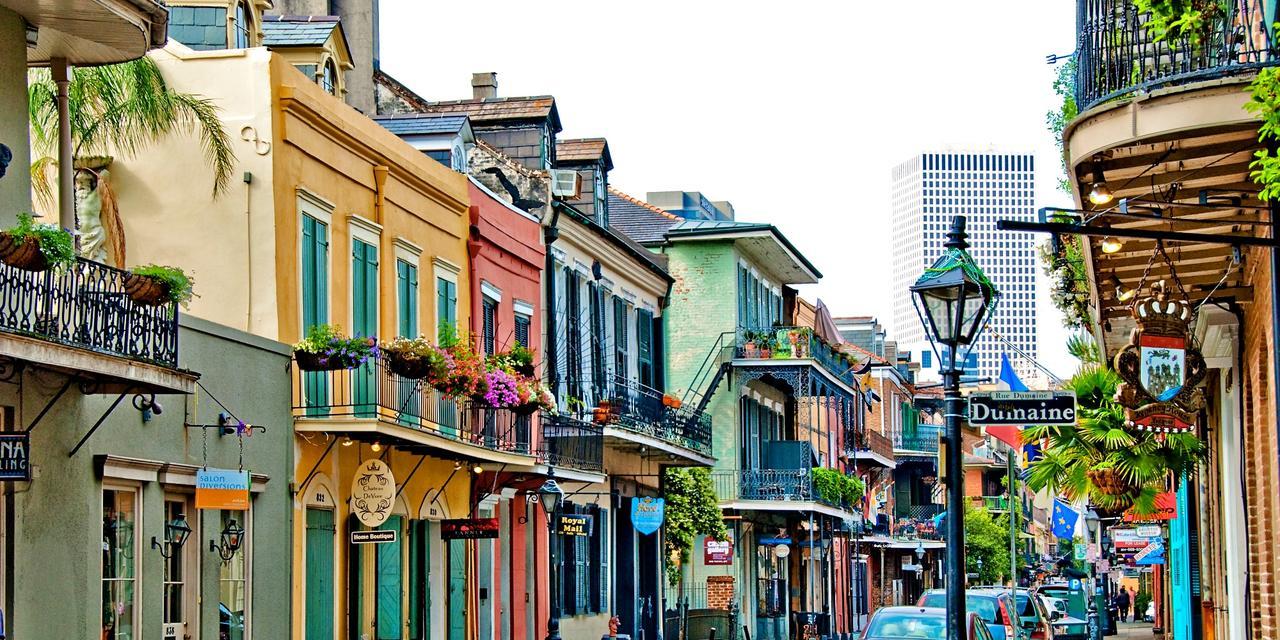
329	79
242	28
602	198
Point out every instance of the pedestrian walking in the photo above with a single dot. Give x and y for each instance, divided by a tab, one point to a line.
1122	602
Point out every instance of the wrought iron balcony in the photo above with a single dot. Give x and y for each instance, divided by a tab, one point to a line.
995	503
767	484
644	410
871	440
572	443
793	343
1118	53
924	439
373	391
86	306
916	528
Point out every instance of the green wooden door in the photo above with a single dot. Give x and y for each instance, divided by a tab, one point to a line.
408	401
390	586
315	305
364	322
457	622
319	558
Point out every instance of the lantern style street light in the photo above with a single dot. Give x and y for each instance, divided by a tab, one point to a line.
550	495
953	298
229	543
176	532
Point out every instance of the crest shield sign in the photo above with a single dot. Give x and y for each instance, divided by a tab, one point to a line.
647	514
1160	367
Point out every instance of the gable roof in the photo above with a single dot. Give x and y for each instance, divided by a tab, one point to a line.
497	110
639	220
584	150
297	31
657	263
422	123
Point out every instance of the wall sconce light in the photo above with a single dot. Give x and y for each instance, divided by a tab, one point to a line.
176	532
231	539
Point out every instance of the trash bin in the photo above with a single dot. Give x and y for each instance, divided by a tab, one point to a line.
1095	629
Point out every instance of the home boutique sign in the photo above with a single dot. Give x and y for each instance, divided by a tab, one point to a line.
1022	408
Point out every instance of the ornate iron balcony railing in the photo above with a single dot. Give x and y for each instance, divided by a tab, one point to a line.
791	343
373	391
572	443
1117	52
924	439
86	306
996	503
642	409
767	484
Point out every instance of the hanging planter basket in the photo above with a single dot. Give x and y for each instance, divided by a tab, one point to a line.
1109	482
309	361
526	409
23	255
146	291
408	367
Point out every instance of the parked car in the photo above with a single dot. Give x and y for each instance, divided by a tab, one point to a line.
1073	622
919	623
1033	617
995	608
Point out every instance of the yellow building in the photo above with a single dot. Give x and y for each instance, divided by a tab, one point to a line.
331	219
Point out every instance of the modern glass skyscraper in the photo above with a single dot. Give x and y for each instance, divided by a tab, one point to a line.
984	186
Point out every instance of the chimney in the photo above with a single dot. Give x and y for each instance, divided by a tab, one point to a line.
484	85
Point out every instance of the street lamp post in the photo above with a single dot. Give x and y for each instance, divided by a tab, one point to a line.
953	298
550	495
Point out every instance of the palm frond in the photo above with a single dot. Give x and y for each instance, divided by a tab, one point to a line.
40	183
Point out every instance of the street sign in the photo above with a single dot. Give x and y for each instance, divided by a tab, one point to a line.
1022	408
376	536
226	489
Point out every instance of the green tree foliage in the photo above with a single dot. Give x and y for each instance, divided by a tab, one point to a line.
692	509
121	109
986	537
833	486
1264	102
1056	120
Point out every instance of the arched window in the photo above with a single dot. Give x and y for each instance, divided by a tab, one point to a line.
243	26
330	78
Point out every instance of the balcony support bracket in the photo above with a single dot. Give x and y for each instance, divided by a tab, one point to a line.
101	419
311	474
52	401
405	482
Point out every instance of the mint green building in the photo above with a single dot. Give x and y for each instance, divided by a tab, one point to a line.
742	344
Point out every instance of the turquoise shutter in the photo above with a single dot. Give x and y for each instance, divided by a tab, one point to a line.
407	291
319	557
315	272
389	585
364	320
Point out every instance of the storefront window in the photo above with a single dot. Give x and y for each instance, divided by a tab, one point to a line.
233	603
175	567
119	581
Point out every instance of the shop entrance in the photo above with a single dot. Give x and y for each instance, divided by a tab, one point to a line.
319	574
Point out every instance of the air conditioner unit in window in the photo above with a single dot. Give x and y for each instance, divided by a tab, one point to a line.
565	183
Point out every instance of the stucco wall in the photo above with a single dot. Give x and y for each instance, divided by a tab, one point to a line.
57	517
15	186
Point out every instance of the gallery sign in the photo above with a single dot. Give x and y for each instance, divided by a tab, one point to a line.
1160	368
375	536
573	524
647	514
1022	408
226	489
373	490
15	456
717	552
469	529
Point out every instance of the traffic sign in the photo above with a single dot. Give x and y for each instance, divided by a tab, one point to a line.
1022	408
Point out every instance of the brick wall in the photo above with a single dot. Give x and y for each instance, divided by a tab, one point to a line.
1260	451
719	592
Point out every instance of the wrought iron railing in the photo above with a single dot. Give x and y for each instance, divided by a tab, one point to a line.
921	528
995	503
924	438
767	484
783	343
570	442
919	511
86	306
642	409
1117	51
372	390
871	440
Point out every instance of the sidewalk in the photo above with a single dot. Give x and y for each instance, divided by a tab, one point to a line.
1134	630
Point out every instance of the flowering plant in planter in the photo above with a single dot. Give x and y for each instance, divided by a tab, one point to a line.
414	358
500	389
154	284
36	247
463	372
325	348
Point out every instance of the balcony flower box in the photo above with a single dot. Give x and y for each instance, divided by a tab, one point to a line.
414	358
36	247
153	285
326	349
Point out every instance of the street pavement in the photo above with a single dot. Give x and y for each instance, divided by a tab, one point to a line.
1134	630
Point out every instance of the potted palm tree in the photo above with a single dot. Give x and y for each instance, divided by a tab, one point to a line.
36	247
153	284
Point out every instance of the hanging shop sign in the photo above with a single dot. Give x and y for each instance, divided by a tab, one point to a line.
376	536
717	552
226	489
1022	408
769	541
469	529
1166	509
647	514
373	491
1150	530
1151	554
573	524
15	456
1161	369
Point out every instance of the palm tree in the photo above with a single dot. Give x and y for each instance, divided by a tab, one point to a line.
118	109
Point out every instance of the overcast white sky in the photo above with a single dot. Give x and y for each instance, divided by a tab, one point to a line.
794	112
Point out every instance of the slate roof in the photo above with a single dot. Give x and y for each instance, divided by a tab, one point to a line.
584	150
297	31
495	110
639	220
421	123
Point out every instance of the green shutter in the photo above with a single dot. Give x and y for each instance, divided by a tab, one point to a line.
364	320
319	558
315	304
407	295
644	346
446	306
389	585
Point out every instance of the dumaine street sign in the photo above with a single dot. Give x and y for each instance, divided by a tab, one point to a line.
1022	408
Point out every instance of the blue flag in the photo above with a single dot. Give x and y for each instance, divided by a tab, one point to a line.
1064	520
1009	380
